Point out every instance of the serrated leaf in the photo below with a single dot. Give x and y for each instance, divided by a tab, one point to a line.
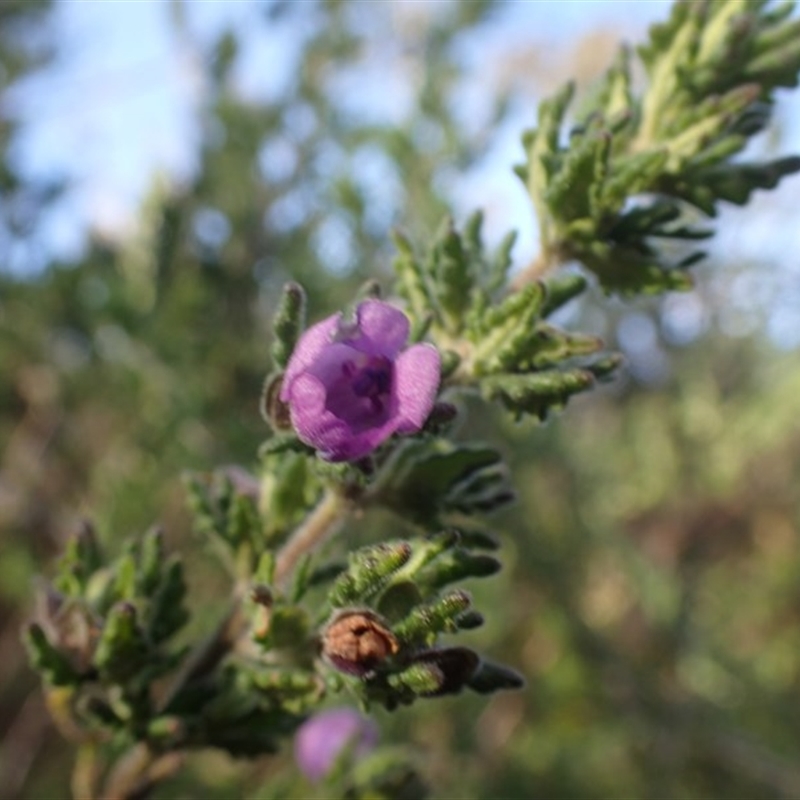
735	183
420	478
453	277
370	568
412	284
584	165
122	649
427	620
81	559
288	323
55	667
151	558
456	565
167	613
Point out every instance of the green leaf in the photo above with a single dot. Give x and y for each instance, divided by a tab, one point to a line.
418	481
427	621
370	568
288	323
559	290
538	392
737	182
412	285
122	649
456	565
81	559
151	560
453	277
167	613
55	667
399	600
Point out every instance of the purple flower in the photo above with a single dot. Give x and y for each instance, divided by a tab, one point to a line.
349	387
322	739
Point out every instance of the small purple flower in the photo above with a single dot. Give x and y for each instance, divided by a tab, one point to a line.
322	739
350	387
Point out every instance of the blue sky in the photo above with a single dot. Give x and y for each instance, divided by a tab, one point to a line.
118	107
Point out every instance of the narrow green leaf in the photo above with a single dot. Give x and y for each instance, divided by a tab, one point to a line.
288	323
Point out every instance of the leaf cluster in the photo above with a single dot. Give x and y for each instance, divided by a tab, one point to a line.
403	587
103	632
101	644
637	170
501	343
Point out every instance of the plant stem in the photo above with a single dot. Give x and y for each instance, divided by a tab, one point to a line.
86	772
136	774
322	523
542	264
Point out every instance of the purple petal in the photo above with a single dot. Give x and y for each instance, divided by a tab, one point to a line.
322	738
311	344
341	443
416	374
382	330
337	369
355	446
328	364
314	424
334	438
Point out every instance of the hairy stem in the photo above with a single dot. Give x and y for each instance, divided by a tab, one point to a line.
545	262
322	523
86	772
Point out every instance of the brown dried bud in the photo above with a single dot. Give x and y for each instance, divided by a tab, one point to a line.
262	619
357	641
273	409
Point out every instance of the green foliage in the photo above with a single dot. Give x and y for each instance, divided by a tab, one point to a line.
288	323
432	479
492	340
635	167
627	605
394	591
54	665
224	515
103	631
386	774
369	568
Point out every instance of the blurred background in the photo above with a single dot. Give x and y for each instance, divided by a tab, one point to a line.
166	166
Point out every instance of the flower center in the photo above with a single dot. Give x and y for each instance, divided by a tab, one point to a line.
362	394
373	380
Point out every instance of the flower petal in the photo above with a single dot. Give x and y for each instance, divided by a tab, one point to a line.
323	738
330	361
334	438
345	444
381	329
308	349
416	374
314	424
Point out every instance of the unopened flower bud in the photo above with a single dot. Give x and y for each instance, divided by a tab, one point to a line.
357	641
